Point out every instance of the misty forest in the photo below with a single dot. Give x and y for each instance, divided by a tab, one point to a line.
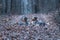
29	19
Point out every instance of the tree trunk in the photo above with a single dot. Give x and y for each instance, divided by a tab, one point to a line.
27	6
18	6
8	6
3	6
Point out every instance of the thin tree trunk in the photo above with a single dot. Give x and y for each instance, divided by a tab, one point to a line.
8	6
3	6
18	6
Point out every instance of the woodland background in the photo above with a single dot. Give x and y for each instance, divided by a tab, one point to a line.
28	6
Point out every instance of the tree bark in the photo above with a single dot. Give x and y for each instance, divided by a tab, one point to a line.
8	6
3	6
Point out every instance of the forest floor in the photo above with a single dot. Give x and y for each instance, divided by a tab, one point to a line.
11	30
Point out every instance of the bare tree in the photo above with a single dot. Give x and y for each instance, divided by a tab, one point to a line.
3	6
